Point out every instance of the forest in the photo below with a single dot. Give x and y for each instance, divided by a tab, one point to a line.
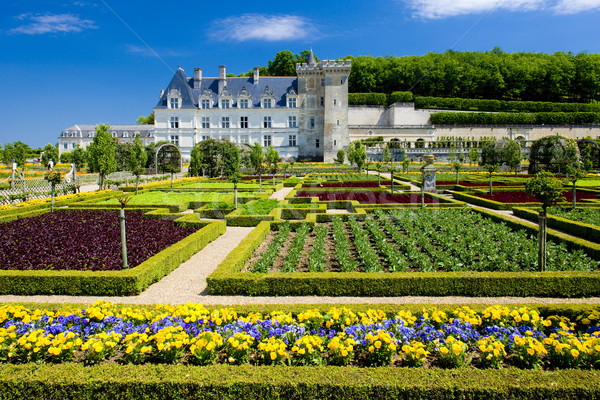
495	74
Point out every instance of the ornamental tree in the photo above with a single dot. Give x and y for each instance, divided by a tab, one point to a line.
387	154
54	178
360	155
351	154
231	166
490	169
101	153
136	159
257	159
457	167
473	156
50	153
511	153
574	173
548	191
340	157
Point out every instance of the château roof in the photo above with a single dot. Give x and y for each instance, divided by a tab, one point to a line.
279	86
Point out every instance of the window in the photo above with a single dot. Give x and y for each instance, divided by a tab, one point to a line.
322	101
267	122
334	102
317	143
225	103
292	140
174	103
225	122
244	103
244	139
73	145
266	140
335	142
205	122
204	137
312	122
175	140
292	102
244	122
174	122
205	104
338	121
322	81
267	103
292	121
65	146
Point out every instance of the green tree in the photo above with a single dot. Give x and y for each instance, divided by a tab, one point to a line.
231	166
49	153
272	159
15	152
351	154
340	156
473	156
387	154
405	161
207	157
548	190
136	159
490	169
457	167
79	157
574	173
101	153
360	155
512	155
66	157
148	120
257	159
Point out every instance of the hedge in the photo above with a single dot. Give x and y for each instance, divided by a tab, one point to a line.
373	99
74	381
496	205
112	283
444	103
575	228
478	118
228	280
402	97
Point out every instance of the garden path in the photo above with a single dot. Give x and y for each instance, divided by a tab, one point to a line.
188	284
280	194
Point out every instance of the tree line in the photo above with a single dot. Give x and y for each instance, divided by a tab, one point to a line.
495	74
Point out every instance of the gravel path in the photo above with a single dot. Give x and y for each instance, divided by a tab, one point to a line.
280	194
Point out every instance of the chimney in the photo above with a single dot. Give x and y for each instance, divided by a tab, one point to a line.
256	73
197	77
222	78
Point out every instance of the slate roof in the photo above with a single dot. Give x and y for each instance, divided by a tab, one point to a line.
278	85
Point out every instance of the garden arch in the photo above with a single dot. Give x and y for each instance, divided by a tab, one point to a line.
170	158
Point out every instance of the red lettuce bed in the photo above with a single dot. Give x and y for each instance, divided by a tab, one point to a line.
523	197
83	240
369	197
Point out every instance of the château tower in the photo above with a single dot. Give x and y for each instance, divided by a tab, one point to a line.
323	108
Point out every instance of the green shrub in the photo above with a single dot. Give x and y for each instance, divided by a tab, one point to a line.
402	97
451	103
502	118
372	99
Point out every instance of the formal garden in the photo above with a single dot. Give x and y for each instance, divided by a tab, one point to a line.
337	231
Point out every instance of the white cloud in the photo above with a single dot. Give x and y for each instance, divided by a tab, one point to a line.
575	6
39	24
435	9
262	27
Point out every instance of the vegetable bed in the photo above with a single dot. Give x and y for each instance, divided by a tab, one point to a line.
83	240
523	197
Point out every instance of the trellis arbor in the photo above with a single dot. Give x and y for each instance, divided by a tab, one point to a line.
168	159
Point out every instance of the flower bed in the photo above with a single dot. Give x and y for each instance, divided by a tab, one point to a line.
477	184
369	197
83	240
523	197
367	184
495	337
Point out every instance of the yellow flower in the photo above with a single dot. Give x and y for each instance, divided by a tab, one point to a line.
574	353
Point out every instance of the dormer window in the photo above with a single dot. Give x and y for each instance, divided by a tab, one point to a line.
267	98
267	103
243	103
292	102
205	104
174	98
225	103
125	134
206	99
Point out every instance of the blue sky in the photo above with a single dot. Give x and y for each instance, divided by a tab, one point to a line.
66	62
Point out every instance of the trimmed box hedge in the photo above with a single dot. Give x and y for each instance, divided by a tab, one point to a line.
127	382
113	283
575	228
228	279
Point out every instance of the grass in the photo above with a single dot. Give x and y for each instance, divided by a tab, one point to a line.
158	197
